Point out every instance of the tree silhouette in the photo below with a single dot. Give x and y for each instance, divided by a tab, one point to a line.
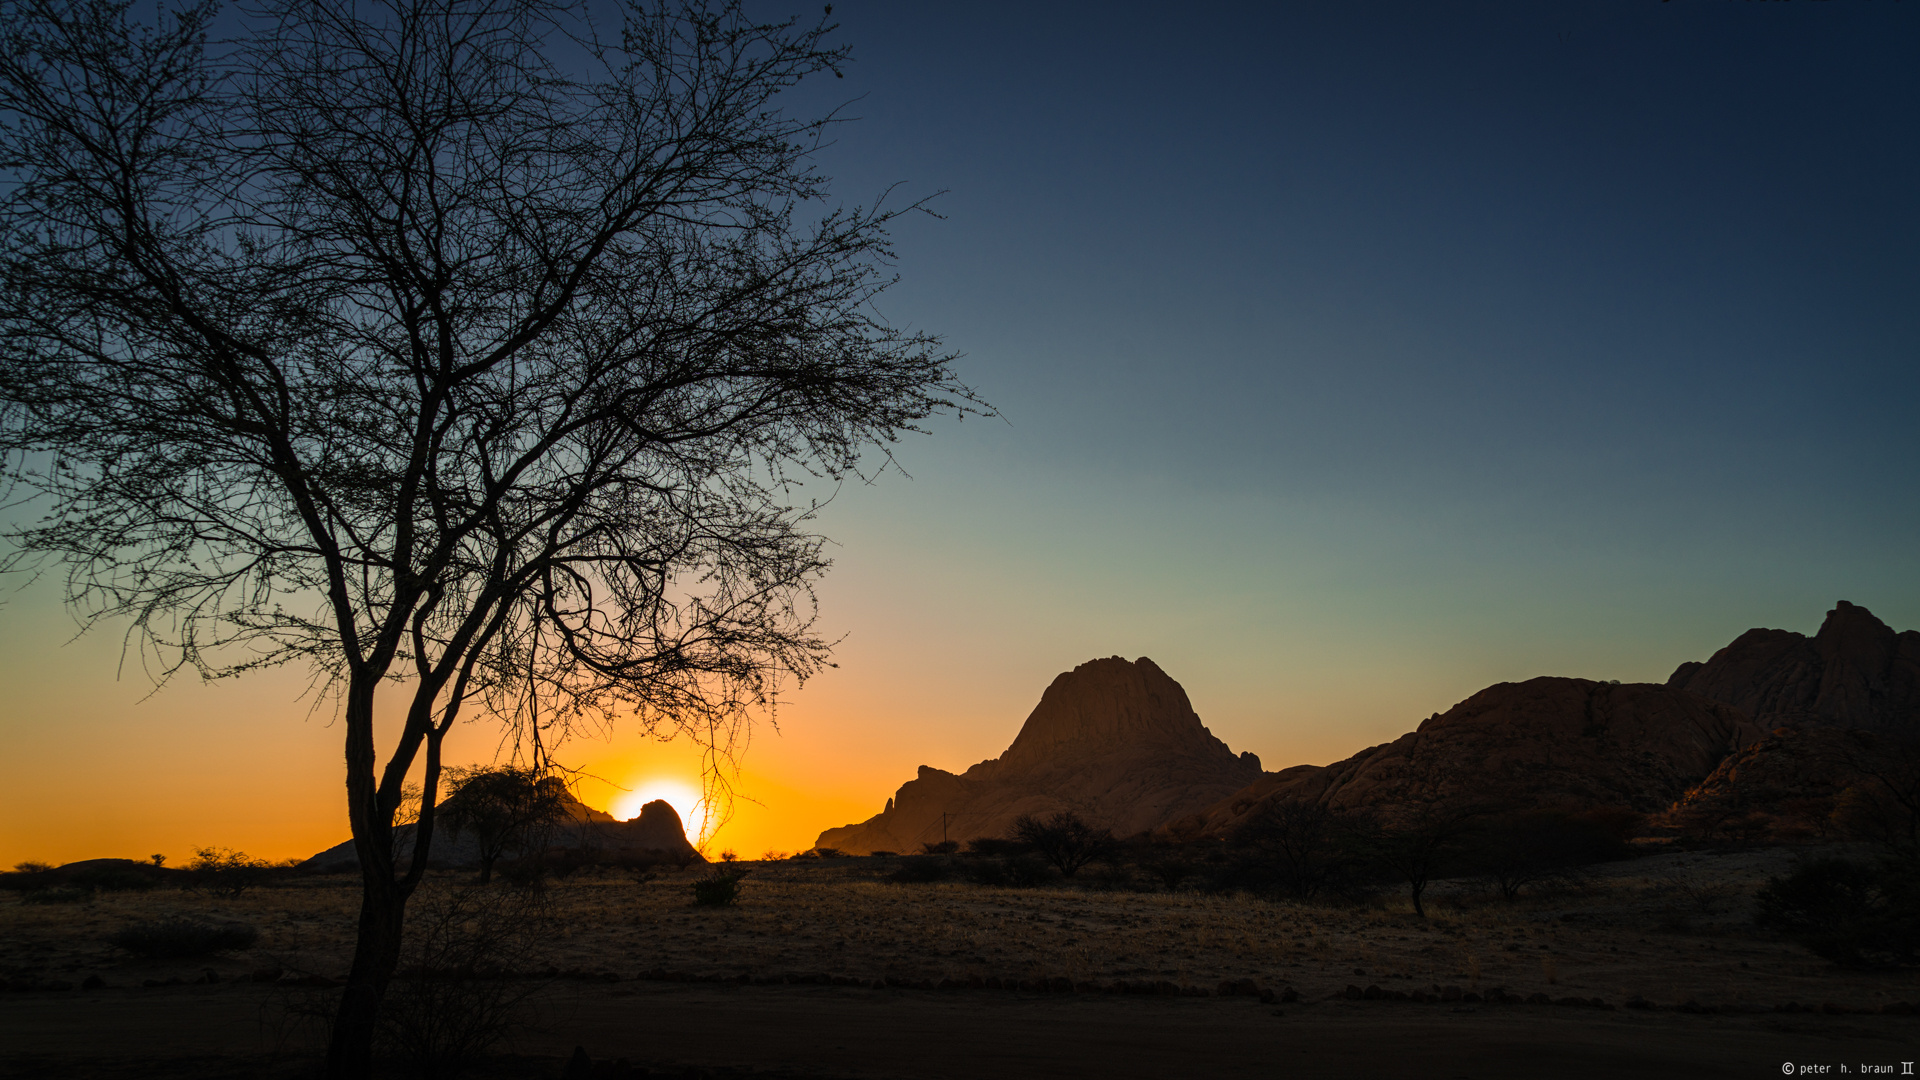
1063	839
503	808
455	349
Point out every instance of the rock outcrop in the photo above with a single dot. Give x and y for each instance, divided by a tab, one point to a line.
656	835
1547	743
1116	742
1855	673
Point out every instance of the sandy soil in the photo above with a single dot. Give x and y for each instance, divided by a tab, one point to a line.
1670	929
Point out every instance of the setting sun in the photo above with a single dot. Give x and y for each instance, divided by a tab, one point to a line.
683	795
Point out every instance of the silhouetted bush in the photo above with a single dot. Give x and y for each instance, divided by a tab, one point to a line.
995	846
942	847
921	869
718	889
1851	913
225	871
1064	840
461	987
166	938
1535	849
1018	871
1170	868
1297	849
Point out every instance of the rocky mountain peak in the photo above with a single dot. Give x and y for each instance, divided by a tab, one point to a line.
1113	740
1107	703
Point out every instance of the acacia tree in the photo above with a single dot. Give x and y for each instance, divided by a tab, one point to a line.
463	349
502	808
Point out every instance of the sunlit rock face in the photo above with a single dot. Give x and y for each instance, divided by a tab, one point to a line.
1855	673
1543	744
1116	742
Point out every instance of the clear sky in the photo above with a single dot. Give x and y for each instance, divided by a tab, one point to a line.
1351	357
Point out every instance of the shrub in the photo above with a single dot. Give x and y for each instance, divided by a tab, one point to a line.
920	869
718	889
225	871
942	847
1851	913
994	846
1064	840
459	990
166	938
1018	872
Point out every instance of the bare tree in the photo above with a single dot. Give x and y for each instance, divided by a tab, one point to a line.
1064	839
462	349
1306	847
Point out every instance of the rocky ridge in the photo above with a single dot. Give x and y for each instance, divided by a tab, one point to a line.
1544	744
656	834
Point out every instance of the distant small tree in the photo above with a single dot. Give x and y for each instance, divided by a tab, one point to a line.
504	809
1302	847
225	871
1524	850
1419	843
1064	840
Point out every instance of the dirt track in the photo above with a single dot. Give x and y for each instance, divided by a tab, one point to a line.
857	1032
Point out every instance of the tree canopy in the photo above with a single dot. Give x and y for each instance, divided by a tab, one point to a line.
469	348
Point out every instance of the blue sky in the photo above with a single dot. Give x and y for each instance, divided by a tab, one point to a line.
1347	347
1350	357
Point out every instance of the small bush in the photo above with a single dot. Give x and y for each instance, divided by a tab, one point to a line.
56	896
225	871
1018	872
718	889
167	938
1851	913
461	987
920	869
1065	839
942	847
995	846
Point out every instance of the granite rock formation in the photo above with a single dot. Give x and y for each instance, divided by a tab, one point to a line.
1855	673
1546	744
655	835
1116	742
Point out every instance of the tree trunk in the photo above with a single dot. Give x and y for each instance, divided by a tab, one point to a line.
375	956
383	898
486	868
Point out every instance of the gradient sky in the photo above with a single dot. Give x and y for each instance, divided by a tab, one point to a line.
1351	358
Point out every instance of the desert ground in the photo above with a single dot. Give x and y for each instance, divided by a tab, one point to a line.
826	969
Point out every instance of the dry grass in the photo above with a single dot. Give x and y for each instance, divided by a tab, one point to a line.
1671	928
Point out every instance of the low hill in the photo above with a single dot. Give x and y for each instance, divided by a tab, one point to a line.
656	835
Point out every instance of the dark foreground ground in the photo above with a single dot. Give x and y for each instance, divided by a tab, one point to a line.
697	1030
828	969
